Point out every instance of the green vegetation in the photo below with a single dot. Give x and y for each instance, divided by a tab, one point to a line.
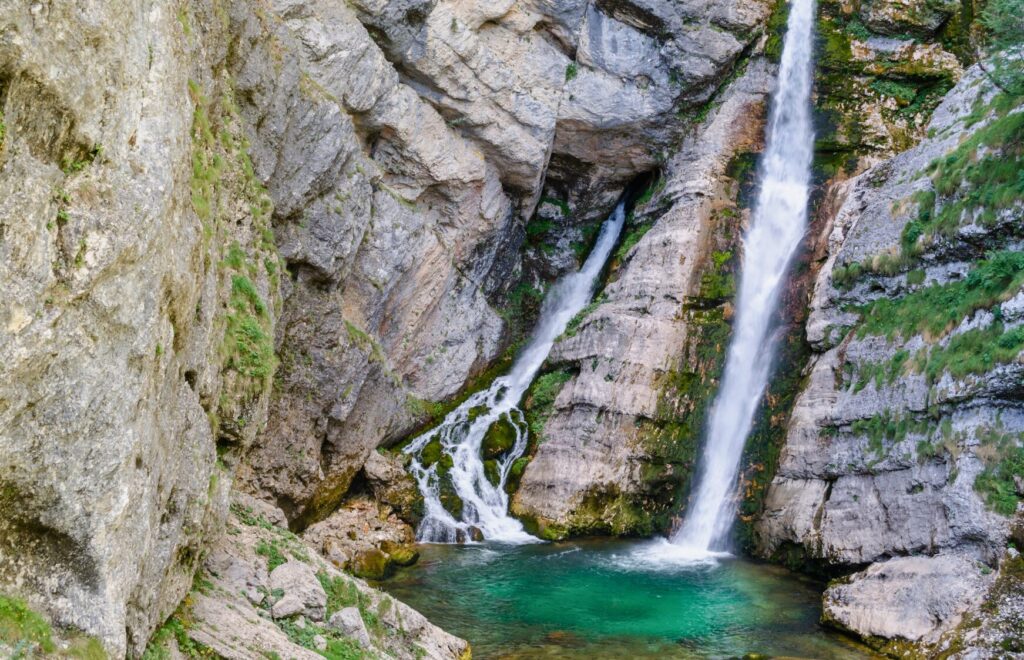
981	177
575	322
22	629
540	400
523	308
902	92
776	29
887	428
3	130
629	241
272	551
973	352
937	309
221	174
717	284
176	628
996	482
571	71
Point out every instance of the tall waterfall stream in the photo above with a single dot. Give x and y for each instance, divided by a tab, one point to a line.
485	504
779	223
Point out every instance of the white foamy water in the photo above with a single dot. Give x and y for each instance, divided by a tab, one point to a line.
779	223
485	505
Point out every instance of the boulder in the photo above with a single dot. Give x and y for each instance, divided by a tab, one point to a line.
302	591
371	564
349	622
913	598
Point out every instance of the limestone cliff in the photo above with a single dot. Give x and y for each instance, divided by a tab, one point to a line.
904	443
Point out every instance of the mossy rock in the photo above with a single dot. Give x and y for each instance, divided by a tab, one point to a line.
372	564
475	412
402	554
431	453
450	500
544	529
499	439
491	471
515	474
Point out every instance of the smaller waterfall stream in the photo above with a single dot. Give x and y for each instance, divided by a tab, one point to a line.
779	222
461	434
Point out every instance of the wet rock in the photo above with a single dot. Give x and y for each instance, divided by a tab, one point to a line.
587	473
371	564
500	438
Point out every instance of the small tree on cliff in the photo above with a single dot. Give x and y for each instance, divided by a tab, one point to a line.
1004	21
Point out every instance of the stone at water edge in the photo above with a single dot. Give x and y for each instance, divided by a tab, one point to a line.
371	564
914	598
402	554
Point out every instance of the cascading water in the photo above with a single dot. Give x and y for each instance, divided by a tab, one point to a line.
461	434
779	223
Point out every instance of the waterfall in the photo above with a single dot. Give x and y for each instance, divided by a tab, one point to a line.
461	434
778	225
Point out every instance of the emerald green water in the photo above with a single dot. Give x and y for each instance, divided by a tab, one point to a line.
606	599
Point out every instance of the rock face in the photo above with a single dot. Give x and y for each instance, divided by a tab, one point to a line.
903	440
605	460
138	315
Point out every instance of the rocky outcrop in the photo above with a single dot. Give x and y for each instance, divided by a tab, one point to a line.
262	591
279	230
613	451
904	440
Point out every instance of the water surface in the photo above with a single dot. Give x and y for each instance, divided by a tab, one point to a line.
606	599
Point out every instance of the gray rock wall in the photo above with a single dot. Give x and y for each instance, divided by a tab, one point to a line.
886	455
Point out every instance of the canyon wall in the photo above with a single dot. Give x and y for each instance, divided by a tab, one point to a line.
247	243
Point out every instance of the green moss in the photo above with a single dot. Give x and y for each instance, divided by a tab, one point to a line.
515	474
571	71
23	629
540	400
499	439
717	284
902	92
431	452
371	564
